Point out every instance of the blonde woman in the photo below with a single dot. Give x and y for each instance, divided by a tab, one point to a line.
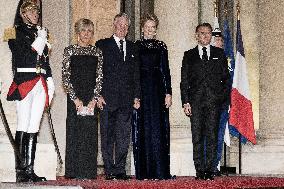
82	80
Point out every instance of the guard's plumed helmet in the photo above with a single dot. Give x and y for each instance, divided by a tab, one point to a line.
25	5
28	5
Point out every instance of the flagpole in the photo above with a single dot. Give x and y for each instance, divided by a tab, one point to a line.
226	169
216	8
216	4
240	139
238	10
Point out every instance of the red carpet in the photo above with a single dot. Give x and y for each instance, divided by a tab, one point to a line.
224	182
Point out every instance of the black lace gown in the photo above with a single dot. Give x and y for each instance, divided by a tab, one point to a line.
81	74
151	132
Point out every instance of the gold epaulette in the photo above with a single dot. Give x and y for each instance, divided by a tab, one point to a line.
9	33
50	38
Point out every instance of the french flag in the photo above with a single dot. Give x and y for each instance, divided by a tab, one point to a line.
241	115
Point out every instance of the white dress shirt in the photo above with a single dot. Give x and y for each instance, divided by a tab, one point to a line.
117	39
201	51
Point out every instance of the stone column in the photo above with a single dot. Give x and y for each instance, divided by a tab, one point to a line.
56	17
147	6
177	28
206	11
130	11
271	67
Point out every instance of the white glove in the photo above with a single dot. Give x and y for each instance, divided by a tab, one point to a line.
51	88
42	32
41	40
38	45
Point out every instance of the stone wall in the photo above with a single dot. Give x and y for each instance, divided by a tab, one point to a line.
100	12
271	38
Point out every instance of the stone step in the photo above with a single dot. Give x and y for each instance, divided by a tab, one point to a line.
45	162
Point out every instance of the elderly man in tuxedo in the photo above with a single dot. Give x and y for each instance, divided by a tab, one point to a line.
204	91
120	92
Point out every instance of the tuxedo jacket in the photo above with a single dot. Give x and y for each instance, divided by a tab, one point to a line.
205	81
121	78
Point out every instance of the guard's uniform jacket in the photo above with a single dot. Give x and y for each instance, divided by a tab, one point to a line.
23	56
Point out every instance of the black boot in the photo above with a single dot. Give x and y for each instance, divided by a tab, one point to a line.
30	157
20	162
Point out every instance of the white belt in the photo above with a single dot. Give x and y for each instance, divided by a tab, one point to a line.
38	71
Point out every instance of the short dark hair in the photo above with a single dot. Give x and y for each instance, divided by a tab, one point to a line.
203	25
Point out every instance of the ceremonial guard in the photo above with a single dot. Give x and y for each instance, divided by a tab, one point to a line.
32	87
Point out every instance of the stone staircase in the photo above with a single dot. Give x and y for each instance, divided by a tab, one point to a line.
264	158
45	162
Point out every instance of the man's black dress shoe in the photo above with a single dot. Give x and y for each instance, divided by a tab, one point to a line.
173	177
122	176
199	176
166	177
217	173
209	176
110	177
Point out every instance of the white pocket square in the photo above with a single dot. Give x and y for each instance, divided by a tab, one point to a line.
215	58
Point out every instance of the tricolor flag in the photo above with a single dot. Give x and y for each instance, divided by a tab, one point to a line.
223	133
229	52
241	115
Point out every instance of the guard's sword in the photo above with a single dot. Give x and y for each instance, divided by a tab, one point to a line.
7	129
53	135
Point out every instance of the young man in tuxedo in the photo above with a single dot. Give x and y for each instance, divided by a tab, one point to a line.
204	91
120	92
